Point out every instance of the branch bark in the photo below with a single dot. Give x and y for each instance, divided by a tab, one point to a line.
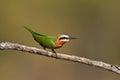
33	50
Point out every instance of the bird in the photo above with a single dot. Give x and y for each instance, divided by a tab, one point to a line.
50	42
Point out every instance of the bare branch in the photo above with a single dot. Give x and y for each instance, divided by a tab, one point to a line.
33	50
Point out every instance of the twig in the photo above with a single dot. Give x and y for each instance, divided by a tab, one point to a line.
33	50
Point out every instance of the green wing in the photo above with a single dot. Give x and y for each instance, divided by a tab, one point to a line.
43	40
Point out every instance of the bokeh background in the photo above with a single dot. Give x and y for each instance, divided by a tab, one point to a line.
95	22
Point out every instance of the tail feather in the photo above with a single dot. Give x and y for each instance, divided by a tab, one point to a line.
31	31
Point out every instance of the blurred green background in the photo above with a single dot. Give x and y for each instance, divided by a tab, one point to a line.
95	22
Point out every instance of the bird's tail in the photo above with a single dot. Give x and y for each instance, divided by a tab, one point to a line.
31	31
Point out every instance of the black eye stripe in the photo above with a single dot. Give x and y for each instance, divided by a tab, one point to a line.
64	38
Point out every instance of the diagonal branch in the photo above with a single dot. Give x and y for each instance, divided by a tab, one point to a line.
33	50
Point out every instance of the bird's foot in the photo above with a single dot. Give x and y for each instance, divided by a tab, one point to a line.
56	56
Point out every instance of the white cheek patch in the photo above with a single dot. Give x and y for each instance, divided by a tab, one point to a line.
64	36
65	40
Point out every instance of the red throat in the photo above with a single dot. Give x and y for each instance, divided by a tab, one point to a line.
58	42
62	42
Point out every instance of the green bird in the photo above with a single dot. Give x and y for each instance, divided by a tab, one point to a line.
50	42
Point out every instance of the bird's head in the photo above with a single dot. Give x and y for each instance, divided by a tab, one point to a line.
62	39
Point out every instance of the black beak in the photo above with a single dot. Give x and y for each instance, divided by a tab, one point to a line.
73	38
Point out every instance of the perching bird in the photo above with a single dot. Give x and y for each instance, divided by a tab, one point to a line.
51	42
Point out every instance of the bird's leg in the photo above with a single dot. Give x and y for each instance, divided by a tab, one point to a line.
44	48
54	52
